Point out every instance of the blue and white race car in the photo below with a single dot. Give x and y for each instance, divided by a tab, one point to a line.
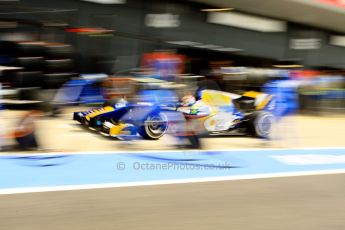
215	113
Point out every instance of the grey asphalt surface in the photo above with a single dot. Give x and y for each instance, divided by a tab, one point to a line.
299	203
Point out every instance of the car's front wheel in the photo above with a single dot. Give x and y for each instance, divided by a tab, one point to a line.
154	127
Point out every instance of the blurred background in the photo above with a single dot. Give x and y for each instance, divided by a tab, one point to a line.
64	61
101	45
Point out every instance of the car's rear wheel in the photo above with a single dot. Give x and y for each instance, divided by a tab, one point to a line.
261	123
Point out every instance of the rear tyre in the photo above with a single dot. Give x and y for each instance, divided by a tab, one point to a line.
261	124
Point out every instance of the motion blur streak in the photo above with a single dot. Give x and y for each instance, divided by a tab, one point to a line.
141	76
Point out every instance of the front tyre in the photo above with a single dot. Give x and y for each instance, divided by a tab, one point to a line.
155	126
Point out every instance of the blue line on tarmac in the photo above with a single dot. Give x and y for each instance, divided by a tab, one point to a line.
83	169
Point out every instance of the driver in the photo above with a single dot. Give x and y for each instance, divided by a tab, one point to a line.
195	107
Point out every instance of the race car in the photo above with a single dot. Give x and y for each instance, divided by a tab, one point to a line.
215	113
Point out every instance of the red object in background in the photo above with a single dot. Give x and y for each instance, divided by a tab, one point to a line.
152	59
339	3
87	30
81	30
304	74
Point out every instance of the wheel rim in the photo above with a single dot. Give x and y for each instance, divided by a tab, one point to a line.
264	125
155	126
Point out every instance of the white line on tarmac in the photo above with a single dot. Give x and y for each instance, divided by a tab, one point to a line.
166	182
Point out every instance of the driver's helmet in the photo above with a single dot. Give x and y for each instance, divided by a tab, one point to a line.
188	100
